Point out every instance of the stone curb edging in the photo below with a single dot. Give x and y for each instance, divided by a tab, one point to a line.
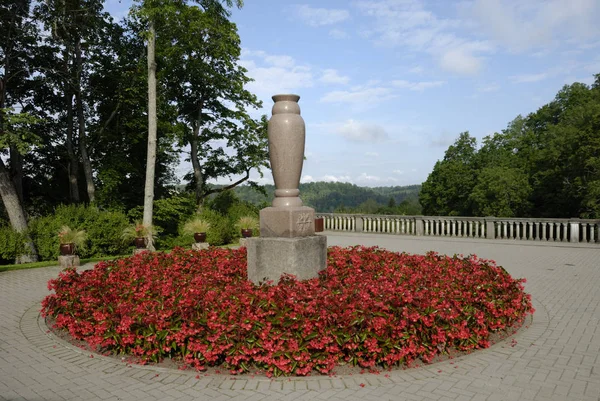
34	328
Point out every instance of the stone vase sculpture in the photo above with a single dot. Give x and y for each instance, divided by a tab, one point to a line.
287	242
286	149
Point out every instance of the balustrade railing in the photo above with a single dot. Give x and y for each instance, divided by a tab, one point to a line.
522	229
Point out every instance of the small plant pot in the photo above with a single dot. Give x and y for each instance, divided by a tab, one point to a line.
318	224
139	242
246	232
200	237
67	249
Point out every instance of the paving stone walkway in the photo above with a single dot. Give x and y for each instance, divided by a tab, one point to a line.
556	358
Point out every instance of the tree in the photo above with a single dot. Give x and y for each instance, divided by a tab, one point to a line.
155	12
501	192
446	190
17	36
200	53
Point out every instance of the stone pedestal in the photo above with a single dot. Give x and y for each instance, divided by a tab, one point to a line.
198	246
269	258
287	222
68	261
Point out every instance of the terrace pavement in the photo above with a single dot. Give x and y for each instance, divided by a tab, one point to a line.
557	357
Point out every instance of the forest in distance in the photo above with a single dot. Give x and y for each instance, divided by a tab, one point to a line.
342	197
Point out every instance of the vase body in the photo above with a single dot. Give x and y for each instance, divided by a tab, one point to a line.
139	242
67	249
200	237
246	233
286	132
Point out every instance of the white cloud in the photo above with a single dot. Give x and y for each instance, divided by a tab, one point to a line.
407	24
333	178
365	97
461	61
399	172
274	74
417	86
416	70
331	76
338	34
372	154
527	78
321	16
307	178
491	87
368	179
522	25
357	131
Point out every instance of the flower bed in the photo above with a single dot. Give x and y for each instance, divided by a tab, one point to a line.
370	307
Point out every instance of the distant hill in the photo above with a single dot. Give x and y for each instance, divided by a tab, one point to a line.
327	197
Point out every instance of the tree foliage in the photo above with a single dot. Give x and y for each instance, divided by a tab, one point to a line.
544	165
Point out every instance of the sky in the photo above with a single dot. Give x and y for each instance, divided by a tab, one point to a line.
386	86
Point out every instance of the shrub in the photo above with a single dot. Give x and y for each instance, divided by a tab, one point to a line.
369	308
11	245
221	230
102	227
167	216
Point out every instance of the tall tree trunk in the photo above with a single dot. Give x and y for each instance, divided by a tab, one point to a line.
87	165
198	176
16	170
73	165
16	214
151	156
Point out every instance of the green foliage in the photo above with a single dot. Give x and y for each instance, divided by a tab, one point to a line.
327	197
247	222
168	215
501	192
67	235
196	225
221	231
103	229
11	245
543	165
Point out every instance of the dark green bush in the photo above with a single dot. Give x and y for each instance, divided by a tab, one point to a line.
221	230
11	245
168	215
104	230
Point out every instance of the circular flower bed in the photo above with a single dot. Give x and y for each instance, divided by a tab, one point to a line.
370	307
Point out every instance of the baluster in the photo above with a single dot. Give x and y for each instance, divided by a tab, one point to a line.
518	227
584	228
564	227
427	232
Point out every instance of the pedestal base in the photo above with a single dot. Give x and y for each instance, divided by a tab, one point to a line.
287	222
140	250
68	261
243	241
198	246
269	258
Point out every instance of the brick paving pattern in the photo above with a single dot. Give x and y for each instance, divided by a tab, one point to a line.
557	357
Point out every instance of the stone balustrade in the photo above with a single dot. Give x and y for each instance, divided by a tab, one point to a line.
522	229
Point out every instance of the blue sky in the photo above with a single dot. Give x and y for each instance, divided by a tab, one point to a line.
387	85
